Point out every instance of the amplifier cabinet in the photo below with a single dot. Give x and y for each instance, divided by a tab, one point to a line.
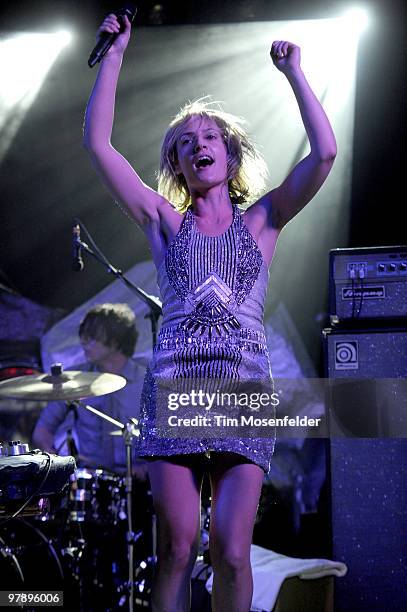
368	283
367	472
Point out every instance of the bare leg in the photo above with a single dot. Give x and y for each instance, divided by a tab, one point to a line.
236	491
176	495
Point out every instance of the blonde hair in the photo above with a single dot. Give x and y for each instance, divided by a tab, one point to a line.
247	170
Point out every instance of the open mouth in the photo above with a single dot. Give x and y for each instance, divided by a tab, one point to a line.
204	161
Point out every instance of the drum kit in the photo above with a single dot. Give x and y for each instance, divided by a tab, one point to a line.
68	528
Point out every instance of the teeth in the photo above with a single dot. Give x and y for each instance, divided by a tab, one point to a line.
204	157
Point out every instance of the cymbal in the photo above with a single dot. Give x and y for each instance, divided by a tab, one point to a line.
65	386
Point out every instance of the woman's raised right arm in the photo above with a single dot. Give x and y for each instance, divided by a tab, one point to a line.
116	173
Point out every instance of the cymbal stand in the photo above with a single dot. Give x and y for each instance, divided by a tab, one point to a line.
130	431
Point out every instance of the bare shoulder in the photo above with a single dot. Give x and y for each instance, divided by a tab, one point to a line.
261	222
161	228
167	211
170	219
263	214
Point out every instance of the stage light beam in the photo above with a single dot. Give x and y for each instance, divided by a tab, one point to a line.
25	60
357	19
64	37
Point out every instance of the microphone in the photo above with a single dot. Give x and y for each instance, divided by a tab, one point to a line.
77	261
106	39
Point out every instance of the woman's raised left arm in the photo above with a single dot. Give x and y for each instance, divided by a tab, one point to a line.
308	175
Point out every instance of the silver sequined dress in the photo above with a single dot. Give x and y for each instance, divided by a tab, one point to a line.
213	291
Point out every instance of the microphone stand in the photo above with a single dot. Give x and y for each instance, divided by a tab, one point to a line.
129	431
153	302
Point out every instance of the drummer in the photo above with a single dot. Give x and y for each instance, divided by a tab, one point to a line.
108	335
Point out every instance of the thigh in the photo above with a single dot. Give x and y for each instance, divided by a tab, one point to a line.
176	490
236	486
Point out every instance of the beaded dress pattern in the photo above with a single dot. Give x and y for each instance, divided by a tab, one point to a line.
213	291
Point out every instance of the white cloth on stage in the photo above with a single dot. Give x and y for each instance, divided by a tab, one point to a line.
270	569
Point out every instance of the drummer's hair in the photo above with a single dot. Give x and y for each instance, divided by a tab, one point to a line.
112	324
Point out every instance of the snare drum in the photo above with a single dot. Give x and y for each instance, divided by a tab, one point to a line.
96	496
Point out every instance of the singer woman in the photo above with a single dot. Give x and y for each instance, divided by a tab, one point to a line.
212	258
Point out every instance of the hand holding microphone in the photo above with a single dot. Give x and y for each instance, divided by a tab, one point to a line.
114	34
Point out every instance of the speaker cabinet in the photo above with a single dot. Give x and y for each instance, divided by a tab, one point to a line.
367	467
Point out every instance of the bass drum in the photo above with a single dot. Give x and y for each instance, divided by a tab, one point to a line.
28	561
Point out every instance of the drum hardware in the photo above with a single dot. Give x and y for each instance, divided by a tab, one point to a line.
69	440
136	584
14	448
203	550
72	555
130	431
40	507
73	386
96	496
